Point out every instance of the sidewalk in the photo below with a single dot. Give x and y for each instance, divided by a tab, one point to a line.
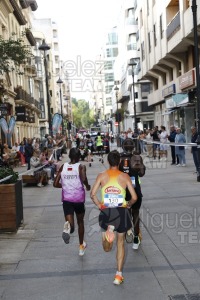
35	263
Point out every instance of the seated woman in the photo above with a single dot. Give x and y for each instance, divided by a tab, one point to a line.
48	164
7	154
38	174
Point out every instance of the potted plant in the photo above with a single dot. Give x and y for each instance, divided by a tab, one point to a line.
11	200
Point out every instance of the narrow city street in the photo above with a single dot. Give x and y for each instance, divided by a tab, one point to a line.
36	264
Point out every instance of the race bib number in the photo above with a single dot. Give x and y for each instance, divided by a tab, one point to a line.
133	180
113	200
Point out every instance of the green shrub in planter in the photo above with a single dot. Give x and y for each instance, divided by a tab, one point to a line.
5	172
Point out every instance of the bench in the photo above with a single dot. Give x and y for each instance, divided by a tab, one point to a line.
30	179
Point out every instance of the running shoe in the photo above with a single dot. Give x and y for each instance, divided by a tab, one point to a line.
109	234
118	279
66	232
136	243
82	248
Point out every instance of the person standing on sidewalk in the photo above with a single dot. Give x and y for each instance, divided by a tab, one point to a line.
180	150
171	138
114	215
71	178
156	146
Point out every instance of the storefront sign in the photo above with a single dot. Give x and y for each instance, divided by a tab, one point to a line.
177	100
187	80
169	90
21	114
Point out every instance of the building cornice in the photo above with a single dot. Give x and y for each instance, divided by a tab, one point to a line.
18	13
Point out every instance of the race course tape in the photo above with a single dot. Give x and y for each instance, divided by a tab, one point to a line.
171	144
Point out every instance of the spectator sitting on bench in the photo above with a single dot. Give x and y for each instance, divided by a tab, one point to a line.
49	165
39	174
6	154
19	155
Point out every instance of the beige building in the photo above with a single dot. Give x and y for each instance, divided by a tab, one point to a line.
20	93
59	94
166	42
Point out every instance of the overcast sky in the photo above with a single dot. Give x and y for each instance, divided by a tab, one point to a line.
82	23
82	26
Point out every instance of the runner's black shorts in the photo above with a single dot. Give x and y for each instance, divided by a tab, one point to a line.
137	204
99	148
70	208
117	216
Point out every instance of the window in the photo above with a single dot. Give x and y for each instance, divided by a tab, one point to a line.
109	77
141	19
108	89
111	52
161	27
30	85
132	42
154	35
56	48
142	51
149	41
57	59
112	38
108	65
55	33
108	101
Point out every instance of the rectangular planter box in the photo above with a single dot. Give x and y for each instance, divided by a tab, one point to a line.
11	206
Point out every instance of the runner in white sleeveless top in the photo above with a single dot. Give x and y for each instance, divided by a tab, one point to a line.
72	178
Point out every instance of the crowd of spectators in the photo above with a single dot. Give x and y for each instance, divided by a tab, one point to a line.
43	154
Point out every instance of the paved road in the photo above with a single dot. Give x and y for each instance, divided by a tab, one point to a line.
35	263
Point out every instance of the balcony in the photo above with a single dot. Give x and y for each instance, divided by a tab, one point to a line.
33	4
18	13
173	26
24	98
132	46
24	4
131	21
30	37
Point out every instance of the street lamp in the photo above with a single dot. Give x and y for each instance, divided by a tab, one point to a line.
44	47
116	89
60	82
132	63
196	53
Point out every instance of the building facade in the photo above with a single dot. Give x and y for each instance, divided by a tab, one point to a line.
166	42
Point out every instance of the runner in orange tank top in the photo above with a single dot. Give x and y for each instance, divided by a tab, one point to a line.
114	215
